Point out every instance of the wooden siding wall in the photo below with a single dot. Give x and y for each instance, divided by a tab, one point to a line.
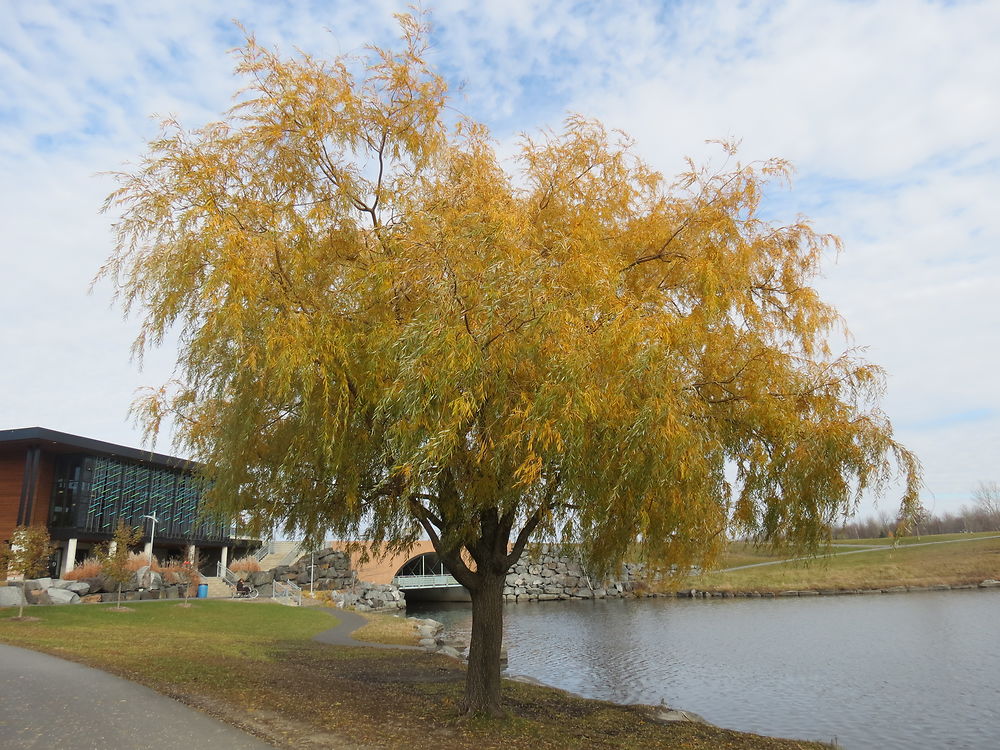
11	473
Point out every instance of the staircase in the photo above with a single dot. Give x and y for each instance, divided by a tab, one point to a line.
217	588
279	553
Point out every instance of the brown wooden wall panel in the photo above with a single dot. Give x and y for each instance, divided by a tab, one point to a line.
11	474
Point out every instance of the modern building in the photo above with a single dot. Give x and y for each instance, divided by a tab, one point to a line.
79	488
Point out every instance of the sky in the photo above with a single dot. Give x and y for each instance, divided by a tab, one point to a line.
888	110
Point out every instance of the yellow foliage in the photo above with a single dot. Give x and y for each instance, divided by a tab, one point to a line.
382	327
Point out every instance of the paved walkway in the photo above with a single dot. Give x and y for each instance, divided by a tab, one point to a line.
348	622
51	703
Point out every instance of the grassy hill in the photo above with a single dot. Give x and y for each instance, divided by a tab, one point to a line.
947	559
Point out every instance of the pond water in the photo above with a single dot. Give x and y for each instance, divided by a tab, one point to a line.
918	670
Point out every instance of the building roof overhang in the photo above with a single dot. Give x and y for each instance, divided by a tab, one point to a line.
64	442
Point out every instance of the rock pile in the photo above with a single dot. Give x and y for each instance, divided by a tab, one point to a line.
144	584
370	597
331	570
548	574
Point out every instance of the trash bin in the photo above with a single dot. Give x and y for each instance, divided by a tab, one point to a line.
202	590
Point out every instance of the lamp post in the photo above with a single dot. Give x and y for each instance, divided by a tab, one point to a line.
152	535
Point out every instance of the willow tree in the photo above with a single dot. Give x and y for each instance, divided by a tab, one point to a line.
386	333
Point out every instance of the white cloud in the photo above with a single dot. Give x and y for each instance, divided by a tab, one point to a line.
887	108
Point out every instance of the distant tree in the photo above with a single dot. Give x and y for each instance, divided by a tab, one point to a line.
28	554
116	557
384	334
986	500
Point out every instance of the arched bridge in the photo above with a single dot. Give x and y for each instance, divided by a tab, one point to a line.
419	573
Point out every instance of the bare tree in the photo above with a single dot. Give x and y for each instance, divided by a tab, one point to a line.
986	499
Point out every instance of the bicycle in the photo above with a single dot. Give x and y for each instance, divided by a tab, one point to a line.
246	592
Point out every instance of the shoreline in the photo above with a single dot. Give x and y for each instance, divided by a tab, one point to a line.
694	593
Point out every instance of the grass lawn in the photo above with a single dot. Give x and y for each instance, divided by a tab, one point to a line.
255	665
971	560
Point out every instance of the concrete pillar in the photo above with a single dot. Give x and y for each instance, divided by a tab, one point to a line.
70	559
112	546
191	551
147	550
224	559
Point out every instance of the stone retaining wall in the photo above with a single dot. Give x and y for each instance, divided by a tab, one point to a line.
545	574
144	584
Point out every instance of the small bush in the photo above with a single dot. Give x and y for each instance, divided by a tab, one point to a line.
89	568
247	564
139	560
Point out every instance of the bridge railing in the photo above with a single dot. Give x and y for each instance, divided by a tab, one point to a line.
425	582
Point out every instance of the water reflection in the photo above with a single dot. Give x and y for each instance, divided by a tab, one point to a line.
912	670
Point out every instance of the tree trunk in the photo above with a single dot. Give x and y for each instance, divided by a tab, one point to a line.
482	679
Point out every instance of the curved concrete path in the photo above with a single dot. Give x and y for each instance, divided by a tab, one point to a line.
51	703
348	622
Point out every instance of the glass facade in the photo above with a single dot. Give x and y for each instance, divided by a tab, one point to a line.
92	492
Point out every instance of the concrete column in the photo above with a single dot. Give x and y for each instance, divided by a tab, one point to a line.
147	550
191	550
112	546
70	560
224	560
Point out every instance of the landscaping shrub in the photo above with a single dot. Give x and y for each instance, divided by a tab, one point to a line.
247	564
89	568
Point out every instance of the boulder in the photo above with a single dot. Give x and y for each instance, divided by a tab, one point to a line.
11	596
90	598
62	596
663	714
261	577
59	583
151	580
80	588
989	583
